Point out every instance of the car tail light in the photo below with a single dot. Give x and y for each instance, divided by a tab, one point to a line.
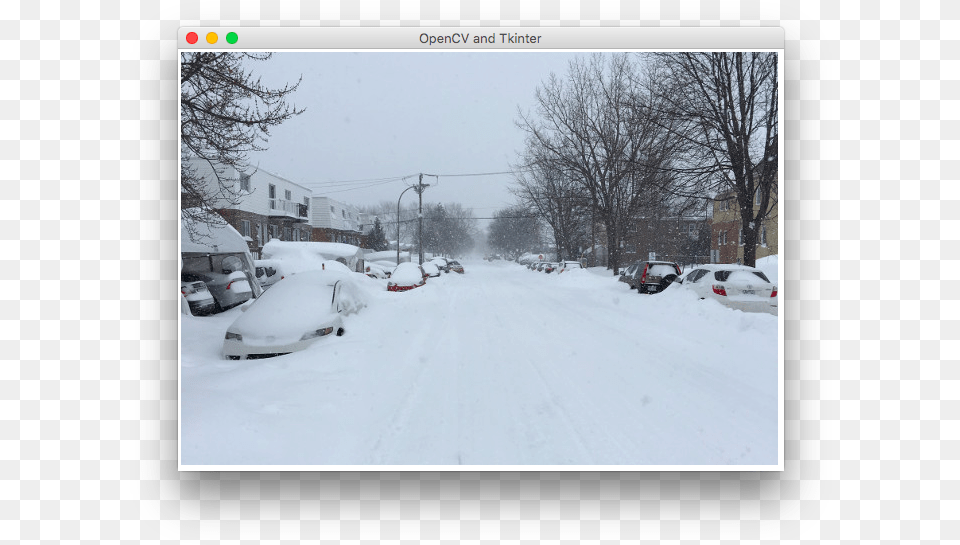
719	290
644	275
774	292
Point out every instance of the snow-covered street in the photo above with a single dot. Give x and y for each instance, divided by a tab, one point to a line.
501	366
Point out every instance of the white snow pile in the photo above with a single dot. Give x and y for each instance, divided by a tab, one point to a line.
769	266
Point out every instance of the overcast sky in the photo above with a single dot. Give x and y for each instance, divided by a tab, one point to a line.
380	115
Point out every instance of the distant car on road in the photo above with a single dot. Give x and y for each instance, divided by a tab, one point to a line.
455	266
293	315
406	276
736	286
651	276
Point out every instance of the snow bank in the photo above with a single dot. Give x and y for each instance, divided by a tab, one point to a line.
770	267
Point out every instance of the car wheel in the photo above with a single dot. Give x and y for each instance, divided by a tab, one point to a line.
233	357
340	332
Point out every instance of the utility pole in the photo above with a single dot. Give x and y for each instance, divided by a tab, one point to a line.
420	188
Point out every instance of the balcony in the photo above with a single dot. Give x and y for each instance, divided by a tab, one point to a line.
288	209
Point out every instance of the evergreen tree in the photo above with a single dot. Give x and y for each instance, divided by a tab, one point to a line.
376	238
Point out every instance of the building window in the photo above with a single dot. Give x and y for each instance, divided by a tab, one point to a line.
333	210
740	237
272	232
763	235
245	228
692	230
343	213
306	202
286	194
245	182
272	190
756	201
722	238
260	234
296	234
287	233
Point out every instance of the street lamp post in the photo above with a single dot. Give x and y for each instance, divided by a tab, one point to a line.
419	187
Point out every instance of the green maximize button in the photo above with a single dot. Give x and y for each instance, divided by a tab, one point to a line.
231	37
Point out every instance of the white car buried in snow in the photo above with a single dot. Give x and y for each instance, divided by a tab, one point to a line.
736	286
292	315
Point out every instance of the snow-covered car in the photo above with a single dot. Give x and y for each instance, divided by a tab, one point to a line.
198	297
455	266
292	315
269	271
406	276
567	265
387	266
441	263
736	286
549	267
651	276
431	269
375	271
223	276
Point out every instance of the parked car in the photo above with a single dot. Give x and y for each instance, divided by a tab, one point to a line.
431	269
375	271
441	263
455	266
406	276
293	315
387	266
223	276
549	267
651	276
198	297
567	265
269	271
736	286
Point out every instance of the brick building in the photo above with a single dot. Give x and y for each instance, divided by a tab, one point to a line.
726	240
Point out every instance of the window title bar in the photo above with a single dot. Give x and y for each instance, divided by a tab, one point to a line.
478	38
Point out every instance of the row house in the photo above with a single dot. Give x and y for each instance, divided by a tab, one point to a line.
269	206
334	221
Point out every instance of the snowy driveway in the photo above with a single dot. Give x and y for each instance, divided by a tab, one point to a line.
501	366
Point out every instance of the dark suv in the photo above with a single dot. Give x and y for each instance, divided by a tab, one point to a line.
650	276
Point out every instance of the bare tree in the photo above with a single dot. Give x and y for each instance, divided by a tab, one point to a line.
514	231
449	230
592	127
558	199
225	114
723	107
